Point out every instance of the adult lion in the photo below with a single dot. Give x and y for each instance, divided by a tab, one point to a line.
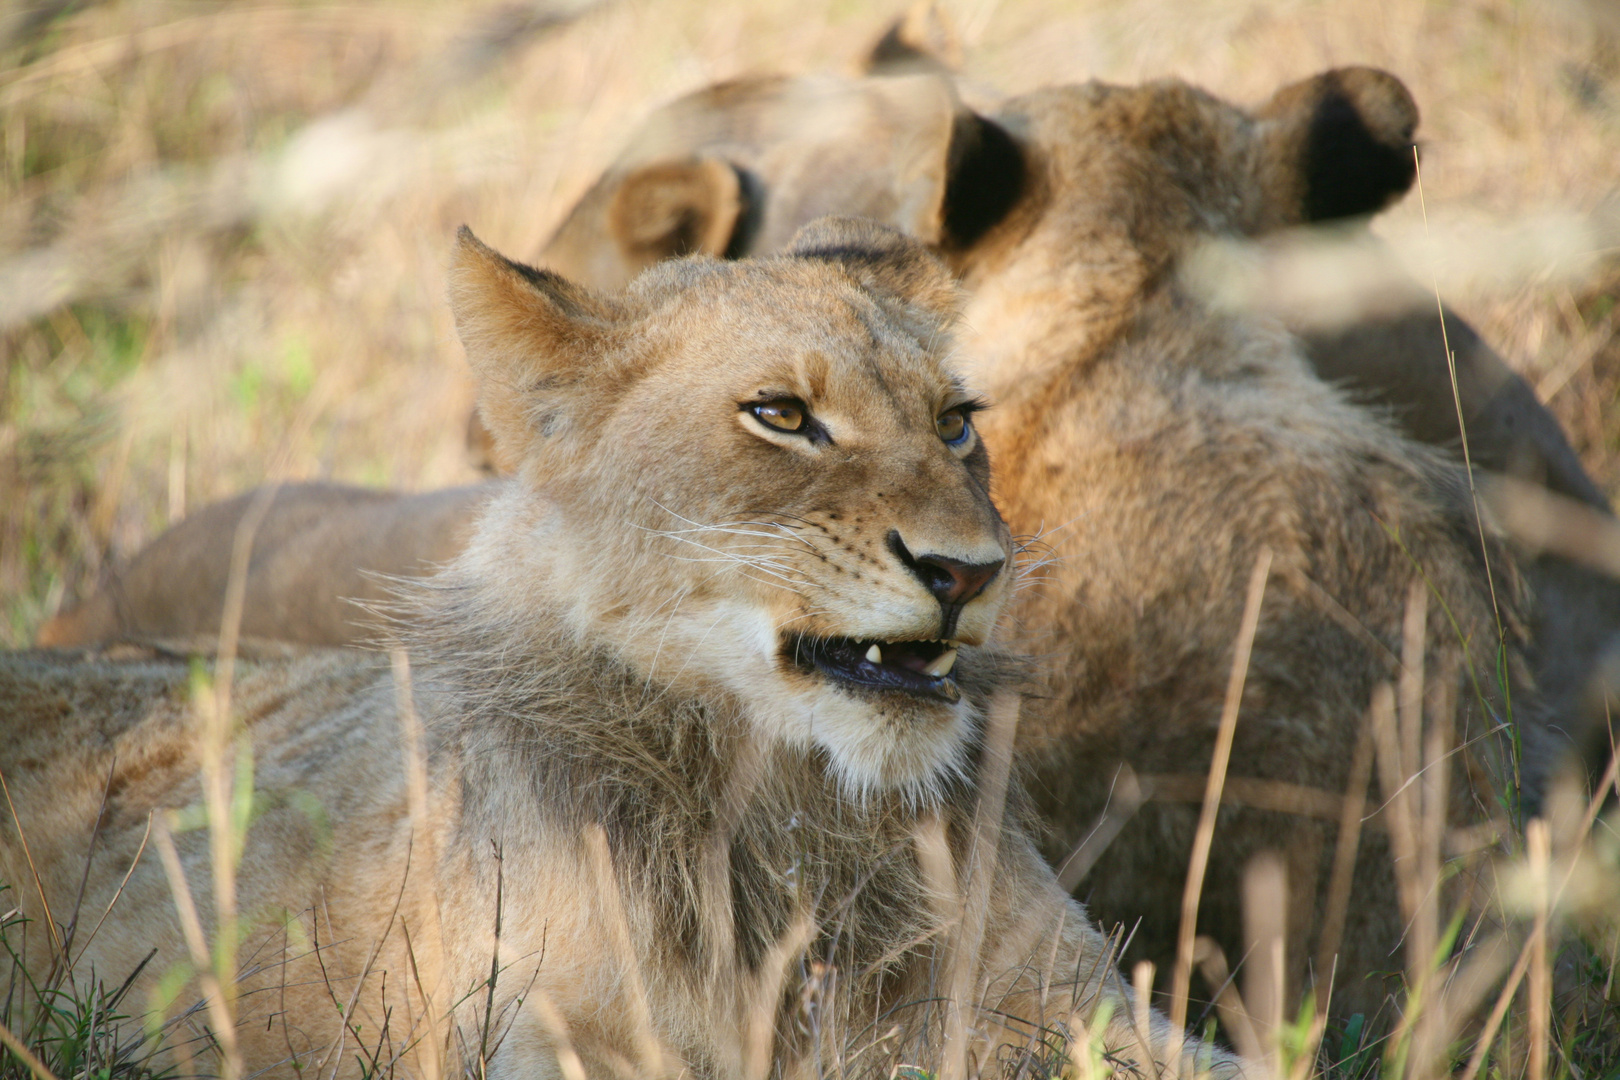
702	717
1159	446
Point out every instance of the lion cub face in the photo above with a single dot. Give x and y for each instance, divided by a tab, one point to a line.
760	478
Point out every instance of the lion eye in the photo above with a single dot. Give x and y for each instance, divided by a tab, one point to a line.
952	426
787	416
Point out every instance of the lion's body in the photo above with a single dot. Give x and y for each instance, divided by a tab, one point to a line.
93	748
320	556
334	851
1158	448
666	795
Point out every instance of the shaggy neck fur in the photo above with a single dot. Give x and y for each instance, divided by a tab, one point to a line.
688	795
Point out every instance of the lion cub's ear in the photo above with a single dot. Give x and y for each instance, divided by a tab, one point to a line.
1338	145
536	343
889	263
672	208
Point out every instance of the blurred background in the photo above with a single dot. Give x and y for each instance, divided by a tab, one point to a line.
223	226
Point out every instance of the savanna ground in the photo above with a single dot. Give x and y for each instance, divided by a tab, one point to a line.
224	225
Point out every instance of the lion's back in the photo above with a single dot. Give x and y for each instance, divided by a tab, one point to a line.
92	748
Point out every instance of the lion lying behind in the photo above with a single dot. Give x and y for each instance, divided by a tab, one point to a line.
702	716
318	560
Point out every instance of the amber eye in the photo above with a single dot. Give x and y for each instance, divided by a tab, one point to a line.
952	426
782	415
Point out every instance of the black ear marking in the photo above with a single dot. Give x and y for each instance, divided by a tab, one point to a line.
985	176
750	213
1351	170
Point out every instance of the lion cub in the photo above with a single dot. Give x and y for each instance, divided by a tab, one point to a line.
701	712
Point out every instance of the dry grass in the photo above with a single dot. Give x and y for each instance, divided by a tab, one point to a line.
223	225
223	230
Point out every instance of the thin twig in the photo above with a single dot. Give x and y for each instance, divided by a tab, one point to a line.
1001	724
1181	980
1456	397
197	945
1348	844
1538	843
1229	1003
139	851
39	887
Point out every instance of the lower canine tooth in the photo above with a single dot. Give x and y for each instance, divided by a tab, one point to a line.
875	655
942	664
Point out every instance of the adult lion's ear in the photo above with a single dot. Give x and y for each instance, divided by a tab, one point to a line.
985	175
1338	145
890	264
635	217
923	39
672	208
535	342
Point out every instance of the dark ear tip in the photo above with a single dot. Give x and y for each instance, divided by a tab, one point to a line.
986	178
1360	129
1384	103
921	39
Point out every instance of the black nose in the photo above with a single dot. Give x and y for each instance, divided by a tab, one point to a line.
952	581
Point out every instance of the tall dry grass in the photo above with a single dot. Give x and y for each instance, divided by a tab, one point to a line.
222	237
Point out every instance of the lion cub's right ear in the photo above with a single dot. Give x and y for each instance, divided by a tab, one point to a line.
538	344
1338	145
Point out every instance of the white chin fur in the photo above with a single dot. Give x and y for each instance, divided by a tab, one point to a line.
874	748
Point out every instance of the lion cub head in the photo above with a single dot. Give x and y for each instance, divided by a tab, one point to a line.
753	479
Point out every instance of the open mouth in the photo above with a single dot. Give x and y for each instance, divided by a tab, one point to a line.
923	668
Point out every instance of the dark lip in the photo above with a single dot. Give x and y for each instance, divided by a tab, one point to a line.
843	660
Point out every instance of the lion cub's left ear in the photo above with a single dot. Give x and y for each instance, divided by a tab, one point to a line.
890	264
538	344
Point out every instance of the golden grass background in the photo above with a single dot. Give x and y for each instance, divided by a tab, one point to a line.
223	226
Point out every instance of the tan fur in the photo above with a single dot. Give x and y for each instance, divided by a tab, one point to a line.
1123	183
1394	359
319	557
1158	447
739	166
616	657
1099	359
